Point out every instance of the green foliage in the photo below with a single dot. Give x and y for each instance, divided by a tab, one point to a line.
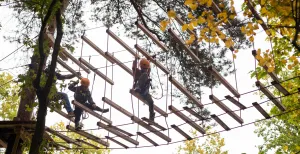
9	99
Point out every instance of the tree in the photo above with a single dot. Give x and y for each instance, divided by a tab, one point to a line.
8	97
212	144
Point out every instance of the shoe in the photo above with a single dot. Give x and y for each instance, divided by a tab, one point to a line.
101	110
71	114
105	110
138	90
152	116
78	126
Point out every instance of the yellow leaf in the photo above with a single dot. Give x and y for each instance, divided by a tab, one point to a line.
236	51
258	51
201	20
190	15
289	67
251	38
188	2
293	58
259	21
194	6
255	27
184	27
209	3
228	43
270	69
232	17
234	56
222	36
171	14
285	148
262	2
163	25
284	61
190	27
243	29
263	10
194	23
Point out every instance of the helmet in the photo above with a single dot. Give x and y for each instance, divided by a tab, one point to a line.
85	82
144	63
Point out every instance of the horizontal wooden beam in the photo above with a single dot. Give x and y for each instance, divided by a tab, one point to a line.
95	47
91	112
226	109
192	112
235	102
87	135
270	95
10	124
261	110
185	47
97	71
156	108
87	143
76	62
151	129
155	124
154	39
219	77
121	130
147	138
188	137
62	136
186	119
280	88
272	74
110	129
154	61
186	92
68	68
118	62
116	106
114	140
110	33
220	122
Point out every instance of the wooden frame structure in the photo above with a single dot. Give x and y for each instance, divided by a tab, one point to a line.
270	95
68	68
186	92
226	109
186	119
103	76
91	112
235	102
261	110
220	122
181	132
147	138
219	77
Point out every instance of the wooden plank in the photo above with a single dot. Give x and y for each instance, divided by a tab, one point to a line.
121	130
151	129
272	74
94	46
87	135
87	143
226	109
62	136
114	140
186	92
181	22
110	33
116	106
185	47
270	95
235	102
154	39
3	144
220	122
76	62
186	119
110	129
68	68
192	112
156	108
154	61
280	88
155	124
147	138
10	124
97	71
91	112
219	77
118	62
181	132
261	110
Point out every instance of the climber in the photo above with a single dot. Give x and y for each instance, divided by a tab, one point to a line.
142	83
82	95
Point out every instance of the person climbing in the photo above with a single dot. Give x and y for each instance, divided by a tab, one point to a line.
82	95
142	83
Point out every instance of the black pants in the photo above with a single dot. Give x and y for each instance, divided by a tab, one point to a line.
78	111
143	79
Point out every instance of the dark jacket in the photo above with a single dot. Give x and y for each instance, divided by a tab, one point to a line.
80	95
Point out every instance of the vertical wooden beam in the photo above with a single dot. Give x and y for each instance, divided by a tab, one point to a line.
261	110
186	119
270	95
118	62
226	109
185	47
192	112
186	92
114	140
219	77
220	122
235	102
97	71
91	112
87	135
110	33
147	138
188	137
76	62
68	68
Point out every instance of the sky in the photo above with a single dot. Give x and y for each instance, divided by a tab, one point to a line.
237	141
